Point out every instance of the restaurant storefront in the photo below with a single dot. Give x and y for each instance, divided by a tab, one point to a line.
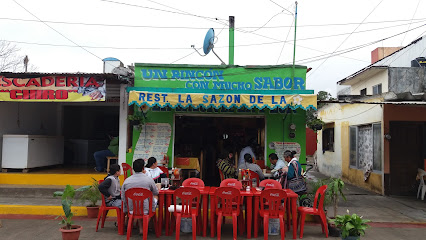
56	119
193	114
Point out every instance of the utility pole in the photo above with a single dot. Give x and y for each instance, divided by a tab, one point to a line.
231	39
26	60
294	49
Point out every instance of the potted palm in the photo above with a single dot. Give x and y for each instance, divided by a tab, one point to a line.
351	226
69	231
91	195
335	191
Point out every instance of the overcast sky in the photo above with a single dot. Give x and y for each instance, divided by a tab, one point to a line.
159	31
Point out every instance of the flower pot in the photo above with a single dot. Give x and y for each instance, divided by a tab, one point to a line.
92	212
333	231
71	234
134	122
351	238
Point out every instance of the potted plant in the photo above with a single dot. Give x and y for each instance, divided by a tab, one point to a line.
352	226
91	195
69	231
335	190
136	119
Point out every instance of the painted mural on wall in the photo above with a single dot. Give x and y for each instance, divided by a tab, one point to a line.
365	150
221	77
153	141
53	89
281	147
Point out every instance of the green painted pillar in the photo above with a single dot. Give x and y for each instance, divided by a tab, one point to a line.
231	40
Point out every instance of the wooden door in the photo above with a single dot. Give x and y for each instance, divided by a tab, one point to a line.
405	156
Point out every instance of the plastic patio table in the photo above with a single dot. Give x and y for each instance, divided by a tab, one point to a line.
292	196
164	201
249	209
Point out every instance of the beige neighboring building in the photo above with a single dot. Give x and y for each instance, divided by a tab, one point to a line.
375	133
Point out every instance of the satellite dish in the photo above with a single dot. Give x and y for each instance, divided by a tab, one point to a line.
208	41
208	45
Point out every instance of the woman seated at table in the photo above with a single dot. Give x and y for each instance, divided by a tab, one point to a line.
153	171
248	164
293	165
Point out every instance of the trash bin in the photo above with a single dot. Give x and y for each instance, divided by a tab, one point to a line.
186	225
274	226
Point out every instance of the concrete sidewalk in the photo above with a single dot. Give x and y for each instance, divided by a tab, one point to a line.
44	229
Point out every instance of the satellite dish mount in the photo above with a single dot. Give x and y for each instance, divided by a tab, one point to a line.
208	45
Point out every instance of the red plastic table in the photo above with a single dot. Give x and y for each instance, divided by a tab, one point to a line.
292	196
165	199
246	194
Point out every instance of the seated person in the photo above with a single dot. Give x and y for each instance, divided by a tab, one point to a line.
276	164
227	166
248	164
293	165
140	180
110	187
101	156
153	171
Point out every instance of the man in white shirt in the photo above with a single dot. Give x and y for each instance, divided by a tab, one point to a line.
249	150
276	163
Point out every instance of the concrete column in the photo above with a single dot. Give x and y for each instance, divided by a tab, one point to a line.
124	98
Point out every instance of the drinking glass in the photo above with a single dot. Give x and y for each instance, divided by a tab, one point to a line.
164	183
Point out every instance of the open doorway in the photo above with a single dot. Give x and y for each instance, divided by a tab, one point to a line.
86	129
209	138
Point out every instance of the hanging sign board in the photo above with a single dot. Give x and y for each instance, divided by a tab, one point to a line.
174	100
53	89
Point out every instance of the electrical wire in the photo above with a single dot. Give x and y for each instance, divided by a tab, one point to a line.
312	72
282	7
58	31
185	56
411	21
288	33
266	22
197	28
352	115
161	10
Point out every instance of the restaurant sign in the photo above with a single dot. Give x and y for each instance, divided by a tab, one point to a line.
184	100
53	89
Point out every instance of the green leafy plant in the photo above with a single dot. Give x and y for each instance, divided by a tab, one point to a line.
314	186
136	117
91	194
335	189
351	225
67	197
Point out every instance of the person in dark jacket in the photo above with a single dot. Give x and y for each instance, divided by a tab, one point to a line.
110	187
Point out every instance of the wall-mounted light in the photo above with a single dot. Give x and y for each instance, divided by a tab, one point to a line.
388	136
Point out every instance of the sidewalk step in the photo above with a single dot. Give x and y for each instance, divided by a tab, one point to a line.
29	191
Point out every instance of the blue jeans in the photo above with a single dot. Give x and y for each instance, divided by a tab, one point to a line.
100	159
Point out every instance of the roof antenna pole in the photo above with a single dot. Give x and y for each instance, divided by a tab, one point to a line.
294	48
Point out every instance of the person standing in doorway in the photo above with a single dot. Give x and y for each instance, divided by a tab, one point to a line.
249	149
101	156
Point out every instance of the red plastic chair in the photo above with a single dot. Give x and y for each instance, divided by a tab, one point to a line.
165	170
271	206
270	183
126	167
302	211
137	196
230	182
227	199
254	175
188	196
103	211
193	182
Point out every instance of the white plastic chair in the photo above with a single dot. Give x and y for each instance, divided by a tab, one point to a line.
421	173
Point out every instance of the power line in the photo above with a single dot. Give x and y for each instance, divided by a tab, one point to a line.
185	56
266	22
311	73
282	7
411	20
288	33
57	31
197	28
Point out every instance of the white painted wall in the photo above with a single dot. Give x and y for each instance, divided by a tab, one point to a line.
381	77
330	163
28	119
